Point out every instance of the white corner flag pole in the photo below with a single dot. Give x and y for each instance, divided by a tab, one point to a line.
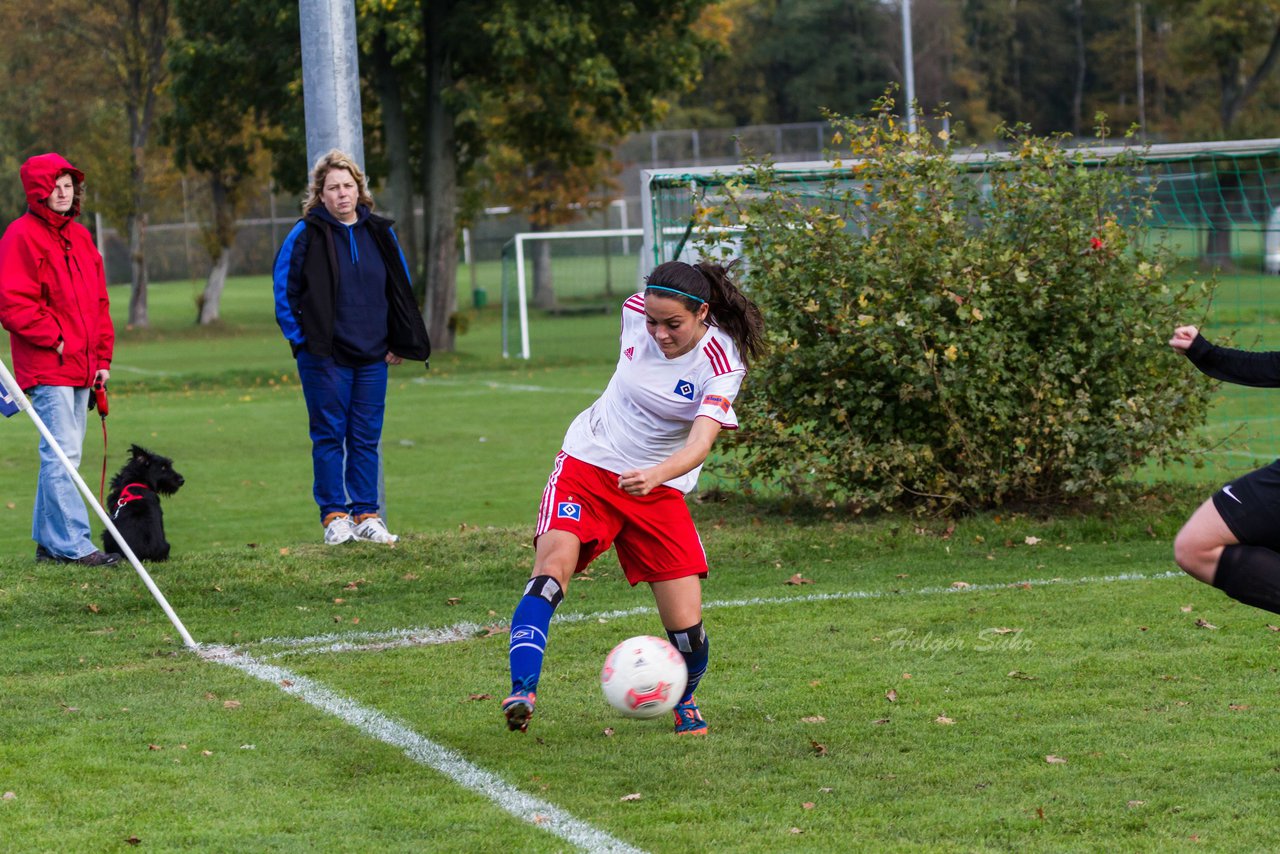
10	385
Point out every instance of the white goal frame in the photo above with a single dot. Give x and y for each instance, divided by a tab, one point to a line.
522	285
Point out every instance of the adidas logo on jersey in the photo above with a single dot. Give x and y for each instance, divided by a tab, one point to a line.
629	352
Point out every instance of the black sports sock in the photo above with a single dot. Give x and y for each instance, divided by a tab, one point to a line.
1250	574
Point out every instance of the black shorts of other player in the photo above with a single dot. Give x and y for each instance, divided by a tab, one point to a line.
1250	505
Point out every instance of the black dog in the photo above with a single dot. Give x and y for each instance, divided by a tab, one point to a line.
134	504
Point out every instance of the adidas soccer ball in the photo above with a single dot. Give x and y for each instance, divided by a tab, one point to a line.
643	677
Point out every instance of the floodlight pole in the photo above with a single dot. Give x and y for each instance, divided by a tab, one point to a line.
908	66
331	78
331	101
11	386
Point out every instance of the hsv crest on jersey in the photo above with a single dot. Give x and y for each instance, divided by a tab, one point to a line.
684	388
629	353
717	400
569	510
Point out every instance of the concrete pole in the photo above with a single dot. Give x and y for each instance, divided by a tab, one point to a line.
1139	73
908	66
331	78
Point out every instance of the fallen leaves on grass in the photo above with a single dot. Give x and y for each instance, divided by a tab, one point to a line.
960	585
808	805
814	719
354	585
91	608
818	749
1204	624
634	796
479	696
1186	609
231	704
1055	760
943	719
1018	674
891	695
133	840
608	731
798	579
1237	707
1136	804
453	600
1031	541
8	796
154	747
881	721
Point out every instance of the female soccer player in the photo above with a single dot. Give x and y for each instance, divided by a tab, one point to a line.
627	462
1232	540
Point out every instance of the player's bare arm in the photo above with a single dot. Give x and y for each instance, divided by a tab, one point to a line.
701	437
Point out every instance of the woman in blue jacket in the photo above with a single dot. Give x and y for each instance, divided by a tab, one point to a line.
346	307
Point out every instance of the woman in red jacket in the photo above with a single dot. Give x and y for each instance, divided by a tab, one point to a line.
53	302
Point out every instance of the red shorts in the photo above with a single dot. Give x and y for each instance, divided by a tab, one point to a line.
653	533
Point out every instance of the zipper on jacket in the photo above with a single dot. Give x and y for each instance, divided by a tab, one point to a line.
88	345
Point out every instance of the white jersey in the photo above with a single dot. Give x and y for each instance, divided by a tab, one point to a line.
646	413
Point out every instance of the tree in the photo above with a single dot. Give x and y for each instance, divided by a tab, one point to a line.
230	66
390	43
132	35
551	80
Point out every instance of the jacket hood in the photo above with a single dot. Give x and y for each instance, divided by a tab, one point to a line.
39	174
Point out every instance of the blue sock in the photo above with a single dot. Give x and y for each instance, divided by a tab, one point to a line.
529	626
696	649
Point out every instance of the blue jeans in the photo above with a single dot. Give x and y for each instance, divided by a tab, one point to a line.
60	521
345	407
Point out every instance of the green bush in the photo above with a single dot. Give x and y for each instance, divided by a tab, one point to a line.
949	338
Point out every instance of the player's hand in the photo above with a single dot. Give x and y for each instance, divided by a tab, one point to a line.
102	376
393	359
637	481
1182	338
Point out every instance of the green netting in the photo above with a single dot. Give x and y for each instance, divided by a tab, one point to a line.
1216	188
1215	206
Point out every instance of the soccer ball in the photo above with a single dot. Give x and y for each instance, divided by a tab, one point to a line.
643	677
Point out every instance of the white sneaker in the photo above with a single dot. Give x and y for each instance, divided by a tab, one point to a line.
340	529
374	530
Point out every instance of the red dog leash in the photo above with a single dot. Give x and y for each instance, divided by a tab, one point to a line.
98	400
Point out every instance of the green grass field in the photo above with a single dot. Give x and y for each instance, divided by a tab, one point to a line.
1006	682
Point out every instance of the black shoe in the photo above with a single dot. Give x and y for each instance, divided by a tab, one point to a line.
43	555
95	558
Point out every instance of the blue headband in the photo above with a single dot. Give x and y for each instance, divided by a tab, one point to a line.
674	291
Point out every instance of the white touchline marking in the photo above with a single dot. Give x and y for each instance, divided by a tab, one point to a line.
541	814
494	385
425	636
146	372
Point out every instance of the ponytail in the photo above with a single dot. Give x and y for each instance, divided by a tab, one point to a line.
728	307
732	311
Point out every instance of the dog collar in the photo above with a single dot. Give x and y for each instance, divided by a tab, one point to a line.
127	494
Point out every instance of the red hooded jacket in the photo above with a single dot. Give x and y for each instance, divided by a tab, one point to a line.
52	286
